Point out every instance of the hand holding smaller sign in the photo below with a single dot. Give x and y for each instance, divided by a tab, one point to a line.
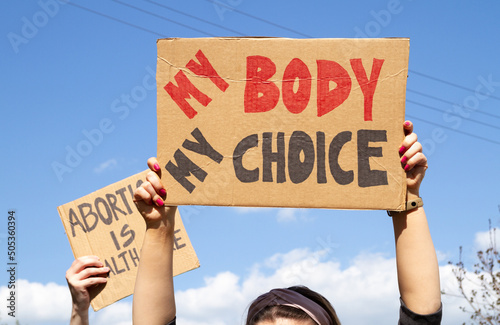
84	273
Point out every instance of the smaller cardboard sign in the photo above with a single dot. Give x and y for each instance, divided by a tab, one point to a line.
106	223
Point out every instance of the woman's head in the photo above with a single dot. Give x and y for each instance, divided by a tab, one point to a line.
299	303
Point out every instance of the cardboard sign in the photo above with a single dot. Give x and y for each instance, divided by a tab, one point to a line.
282	122
106	223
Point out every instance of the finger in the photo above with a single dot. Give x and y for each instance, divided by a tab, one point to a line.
408	127
154	165
410	152
417	160
154	197
92	272
76	279
92	281
157	184
83	262
141	194
408	141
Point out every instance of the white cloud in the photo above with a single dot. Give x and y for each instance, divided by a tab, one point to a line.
483	240
245	210
286	215
362	291
50	303
454	299
119	313
36	302
369	284
442	256
282	214
107	165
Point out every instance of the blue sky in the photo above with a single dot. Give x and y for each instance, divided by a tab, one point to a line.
66	65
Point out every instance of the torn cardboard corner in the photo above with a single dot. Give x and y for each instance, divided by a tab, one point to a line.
275	122
106	223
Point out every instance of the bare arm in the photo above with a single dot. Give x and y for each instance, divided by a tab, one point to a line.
418	269
154	301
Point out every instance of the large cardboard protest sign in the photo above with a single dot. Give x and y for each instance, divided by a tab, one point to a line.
282	122
106	223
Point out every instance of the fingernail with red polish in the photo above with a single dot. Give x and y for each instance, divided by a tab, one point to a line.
407	167
163	192
156	167
159	202
402	150
404	160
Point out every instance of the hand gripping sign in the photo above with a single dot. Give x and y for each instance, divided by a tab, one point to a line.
282	122
106	223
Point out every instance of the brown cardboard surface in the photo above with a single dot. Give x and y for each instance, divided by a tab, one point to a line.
282	122
106	223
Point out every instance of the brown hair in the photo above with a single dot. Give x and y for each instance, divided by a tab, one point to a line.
271	313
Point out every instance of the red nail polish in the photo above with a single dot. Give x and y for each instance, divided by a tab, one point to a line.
163	192
159	202
402	150
156	167
404	160
407	167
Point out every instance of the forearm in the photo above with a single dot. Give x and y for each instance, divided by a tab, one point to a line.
154	290
79	316
418	269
